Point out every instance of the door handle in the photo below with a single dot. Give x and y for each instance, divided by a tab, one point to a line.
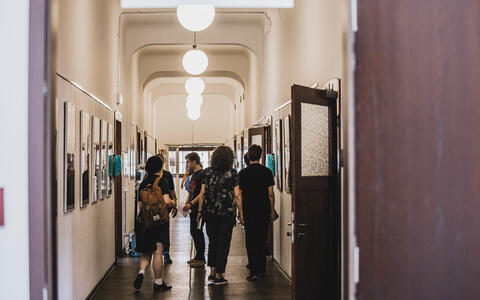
289	233
289	224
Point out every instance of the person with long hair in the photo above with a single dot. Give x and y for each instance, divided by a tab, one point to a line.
219	202
154	239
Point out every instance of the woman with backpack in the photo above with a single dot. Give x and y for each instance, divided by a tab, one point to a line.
152	232
219	201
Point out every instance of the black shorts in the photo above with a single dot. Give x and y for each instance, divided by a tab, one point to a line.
152	236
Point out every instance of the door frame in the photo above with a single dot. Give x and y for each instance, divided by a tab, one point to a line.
42	160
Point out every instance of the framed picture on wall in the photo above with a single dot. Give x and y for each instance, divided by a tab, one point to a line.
85	154
287	152
69	158
126	170
103	159
110	160
96	159
278	155
133	159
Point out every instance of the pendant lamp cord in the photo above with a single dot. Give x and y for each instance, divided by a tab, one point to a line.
194	40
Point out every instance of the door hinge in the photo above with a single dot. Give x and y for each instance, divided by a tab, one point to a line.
342	158
356	265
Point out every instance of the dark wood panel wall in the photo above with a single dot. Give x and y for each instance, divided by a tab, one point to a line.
417	86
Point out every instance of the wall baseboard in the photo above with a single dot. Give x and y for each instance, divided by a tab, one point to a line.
102	280
284	273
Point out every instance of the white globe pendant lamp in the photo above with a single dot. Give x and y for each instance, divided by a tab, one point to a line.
195	85
195	17
195	62
194	100
193	114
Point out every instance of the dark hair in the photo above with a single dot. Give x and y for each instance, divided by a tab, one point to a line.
161	156
154	165
246	159
193	156
254	152
222	158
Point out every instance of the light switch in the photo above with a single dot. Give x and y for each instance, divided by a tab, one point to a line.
2	218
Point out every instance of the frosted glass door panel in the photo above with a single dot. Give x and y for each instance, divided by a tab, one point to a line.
315	140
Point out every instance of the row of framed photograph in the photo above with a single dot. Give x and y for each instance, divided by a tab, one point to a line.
95	145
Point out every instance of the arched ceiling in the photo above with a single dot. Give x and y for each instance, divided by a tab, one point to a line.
141	28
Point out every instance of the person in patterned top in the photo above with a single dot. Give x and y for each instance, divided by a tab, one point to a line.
220	200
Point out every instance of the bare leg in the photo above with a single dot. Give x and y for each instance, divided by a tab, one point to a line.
158	261
145	261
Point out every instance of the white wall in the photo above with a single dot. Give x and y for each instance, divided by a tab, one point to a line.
85	239
14	259
87	53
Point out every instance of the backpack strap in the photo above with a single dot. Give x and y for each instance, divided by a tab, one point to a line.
156	181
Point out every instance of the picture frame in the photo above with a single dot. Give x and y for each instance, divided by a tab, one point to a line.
69	158
126	170
133	160
287	125
278	155
103	159
85	156
110	153
95	159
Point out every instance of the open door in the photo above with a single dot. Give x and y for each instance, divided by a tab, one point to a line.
315	200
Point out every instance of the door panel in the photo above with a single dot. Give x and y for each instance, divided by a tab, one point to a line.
315	201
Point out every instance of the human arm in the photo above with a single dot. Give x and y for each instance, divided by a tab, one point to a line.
173	196
238	202
197	199
200	202
184	178
271	196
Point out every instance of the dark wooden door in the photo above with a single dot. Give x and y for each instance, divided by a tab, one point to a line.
417	146
118	193
315	201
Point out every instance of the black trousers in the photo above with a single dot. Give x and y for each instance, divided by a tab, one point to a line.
219	231
256	244
197	236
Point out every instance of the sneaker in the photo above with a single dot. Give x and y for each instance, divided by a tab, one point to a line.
167	260
192	260
220	281
252	277
261	274
211	278
137	284
162	287
197	264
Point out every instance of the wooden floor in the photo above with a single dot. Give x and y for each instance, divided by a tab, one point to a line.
192	283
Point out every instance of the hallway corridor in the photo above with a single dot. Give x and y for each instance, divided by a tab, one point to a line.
191	283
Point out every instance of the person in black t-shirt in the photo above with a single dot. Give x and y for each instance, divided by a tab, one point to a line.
173	210
256	185
153	240
195	168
